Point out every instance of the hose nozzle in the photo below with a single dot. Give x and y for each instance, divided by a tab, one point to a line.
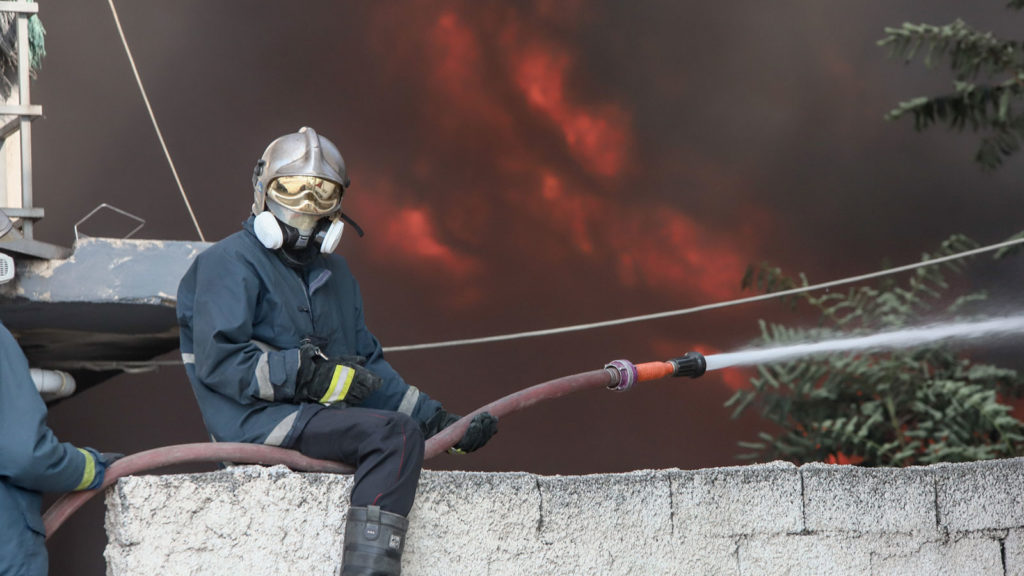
691	364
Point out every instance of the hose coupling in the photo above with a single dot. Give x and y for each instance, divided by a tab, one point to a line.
691	364
626	373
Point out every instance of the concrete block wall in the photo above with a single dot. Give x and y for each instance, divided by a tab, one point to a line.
768	519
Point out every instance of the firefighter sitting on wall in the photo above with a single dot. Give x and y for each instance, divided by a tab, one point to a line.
32	461
277	350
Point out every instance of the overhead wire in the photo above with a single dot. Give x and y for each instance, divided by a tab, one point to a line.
152	117
704	307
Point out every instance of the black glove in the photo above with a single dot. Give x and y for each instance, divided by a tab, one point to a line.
482	428
332	380
110	457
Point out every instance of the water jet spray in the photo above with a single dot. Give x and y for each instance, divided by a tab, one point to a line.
895	339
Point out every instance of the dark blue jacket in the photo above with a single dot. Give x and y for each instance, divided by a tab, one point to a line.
32	461
243	314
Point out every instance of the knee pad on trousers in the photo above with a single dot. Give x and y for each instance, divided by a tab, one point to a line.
403	432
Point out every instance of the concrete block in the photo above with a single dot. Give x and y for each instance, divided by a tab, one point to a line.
850	498
474	523
703	556
723	502
1013	551
980	495
626	531
803	555
969	556
238	521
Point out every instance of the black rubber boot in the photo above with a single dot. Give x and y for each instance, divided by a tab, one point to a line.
374	540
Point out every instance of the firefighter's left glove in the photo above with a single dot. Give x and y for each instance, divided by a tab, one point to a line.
96	465
481	429
333	380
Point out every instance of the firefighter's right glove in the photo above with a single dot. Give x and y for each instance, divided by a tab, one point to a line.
332	380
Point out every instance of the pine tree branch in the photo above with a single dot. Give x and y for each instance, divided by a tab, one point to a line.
970	52
981	108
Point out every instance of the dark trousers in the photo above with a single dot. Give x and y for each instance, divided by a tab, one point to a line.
385	447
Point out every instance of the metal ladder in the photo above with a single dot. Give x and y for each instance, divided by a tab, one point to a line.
24	113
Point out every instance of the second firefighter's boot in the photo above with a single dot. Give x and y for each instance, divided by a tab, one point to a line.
374	540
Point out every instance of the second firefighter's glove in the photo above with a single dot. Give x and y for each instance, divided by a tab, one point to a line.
95	469
333	380
481	429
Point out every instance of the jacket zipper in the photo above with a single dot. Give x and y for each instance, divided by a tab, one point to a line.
309	302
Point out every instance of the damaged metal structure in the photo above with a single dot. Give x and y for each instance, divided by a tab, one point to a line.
107	307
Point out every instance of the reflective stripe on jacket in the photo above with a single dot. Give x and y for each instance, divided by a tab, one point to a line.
243	314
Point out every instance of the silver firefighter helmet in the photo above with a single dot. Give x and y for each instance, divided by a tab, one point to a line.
301	179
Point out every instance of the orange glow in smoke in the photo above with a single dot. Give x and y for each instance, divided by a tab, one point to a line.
571	210
598	138
412	230
457	89
669	252
477	65
659	248
456	49
408	235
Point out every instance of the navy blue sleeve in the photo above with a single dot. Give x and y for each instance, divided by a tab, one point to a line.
31	456
216	303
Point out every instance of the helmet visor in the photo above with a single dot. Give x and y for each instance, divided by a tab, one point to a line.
306	194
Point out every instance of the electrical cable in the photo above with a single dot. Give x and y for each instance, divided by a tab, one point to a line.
152	117
712	306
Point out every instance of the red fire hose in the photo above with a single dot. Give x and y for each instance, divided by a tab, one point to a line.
617	375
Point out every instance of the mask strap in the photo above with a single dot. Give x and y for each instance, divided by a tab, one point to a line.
347	218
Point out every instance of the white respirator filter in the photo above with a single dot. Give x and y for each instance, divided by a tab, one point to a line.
332	237
268	231
6	268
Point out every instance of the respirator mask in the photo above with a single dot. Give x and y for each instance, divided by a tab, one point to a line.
301	211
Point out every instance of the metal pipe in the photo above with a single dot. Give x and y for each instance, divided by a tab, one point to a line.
25	128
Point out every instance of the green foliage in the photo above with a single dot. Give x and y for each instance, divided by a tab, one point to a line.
987	90
9	49
891	408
